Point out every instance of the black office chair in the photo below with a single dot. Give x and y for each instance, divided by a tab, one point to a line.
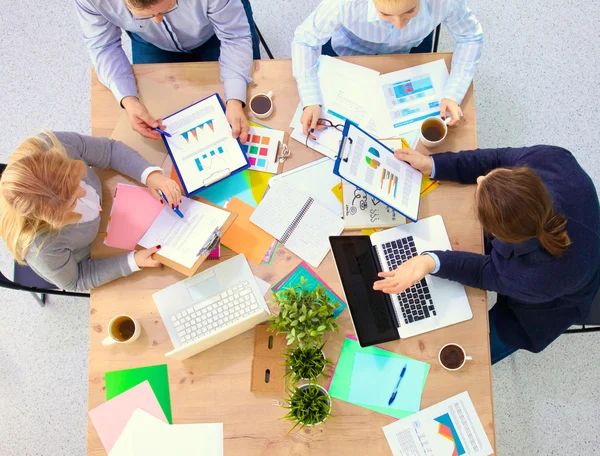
25	279
593	319
436	38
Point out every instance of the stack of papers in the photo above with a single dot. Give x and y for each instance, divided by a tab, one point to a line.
145	435
369	376
135	420
448	428
390	105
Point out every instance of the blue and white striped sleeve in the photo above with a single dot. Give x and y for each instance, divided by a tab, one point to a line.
467	32
314	32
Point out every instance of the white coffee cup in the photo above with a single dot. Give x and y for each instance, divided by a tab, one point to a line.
122	329
261	105
436	129
465	358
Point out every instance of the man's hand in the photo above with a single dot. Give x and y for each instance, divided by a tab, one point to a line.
143	258
415	159
450	106
237	120
405	275
140	119
309	119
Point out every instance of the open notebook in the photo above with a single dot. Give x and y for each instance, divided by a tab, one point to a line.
297	221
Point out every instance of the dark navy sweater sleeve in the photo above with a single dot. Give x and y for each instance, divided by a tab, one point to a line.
465	167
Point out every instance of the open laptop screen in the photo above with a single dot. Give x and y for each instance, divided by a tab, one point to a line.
370	310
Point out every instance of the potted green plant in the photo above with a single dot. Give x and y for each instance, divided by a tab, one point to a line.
306	363
308	405
304	315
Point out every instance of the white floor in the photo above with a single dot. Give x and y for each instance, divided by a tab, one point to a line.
537	83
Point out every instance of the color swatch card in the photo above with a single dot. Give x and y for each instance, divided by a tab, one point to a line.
201	145
368	376
110	418
261	149
448	428
303	270
122	380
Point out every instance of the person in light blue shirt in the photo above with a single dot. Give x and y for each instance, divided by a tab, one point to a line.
164	31
364	27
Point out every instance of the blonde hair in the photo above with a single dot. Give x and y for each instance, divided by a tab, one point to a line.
36	192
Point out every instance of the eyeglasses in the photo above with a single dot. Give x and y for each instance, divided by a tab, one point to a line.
327	124
143	18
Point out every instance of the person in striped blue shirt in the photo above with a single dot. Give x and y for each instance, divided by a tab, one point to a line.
364	27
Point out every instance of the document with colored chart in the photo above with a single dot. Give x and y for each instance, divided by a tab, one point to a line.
369	165
449	428
407	97
201	145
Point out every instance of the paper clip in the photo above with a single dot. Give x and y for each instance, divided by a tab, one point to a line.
211	243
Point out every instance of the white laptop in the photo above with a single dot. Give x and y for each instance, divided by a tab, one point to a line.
211	307
378	317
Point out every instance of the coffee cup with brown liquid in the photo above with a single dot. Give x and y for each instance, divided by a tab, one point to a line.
261	105
122	329
453	357
433	131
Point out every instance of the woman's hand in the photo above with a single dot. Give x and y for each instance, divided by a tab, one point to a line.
156	181
309	120
140	119
405	275
417	160
450	106
143	258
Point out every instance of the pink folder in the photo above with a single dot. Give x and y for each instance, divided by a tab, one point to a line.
110	418
134	210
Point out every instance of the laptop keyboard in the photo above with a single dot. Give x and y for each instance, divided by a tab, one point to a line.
415	302
214	313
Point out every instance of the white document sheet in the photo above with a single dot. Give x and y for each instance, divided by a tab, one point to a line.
362	211
202	145
373	168
316	179
263	285
407	97
261	148
182	239
448	428
298	221
145	435
348	91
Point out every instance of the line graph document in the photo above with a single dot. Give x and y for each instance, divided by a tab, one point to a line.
201	144
449	428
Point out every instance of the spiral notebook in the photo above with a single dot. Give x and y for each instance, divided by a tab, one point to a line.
297	221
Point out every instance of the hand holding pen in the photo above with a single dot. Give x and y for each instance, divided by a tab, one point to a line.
164	189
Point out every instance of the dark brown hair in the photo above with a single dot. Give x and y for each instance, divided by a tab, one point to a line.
514	205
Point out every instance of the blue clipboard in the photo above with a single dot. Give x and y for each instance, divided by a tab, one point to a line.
346	140
187	191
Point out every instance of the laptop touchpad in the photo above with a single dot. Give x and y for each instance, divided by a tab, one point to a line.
206	286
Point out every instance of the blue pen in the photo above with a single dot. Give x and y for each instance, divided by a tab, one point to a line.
163	132
395	393
177	211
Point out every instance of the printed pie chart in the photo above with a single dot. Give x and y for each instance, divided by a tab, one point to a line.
373	151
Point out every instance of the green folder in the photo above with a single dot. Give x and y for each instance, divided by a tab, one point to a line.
119	381
341	380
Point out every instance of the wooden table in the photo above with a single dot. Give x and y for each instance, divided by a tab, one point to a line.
214	386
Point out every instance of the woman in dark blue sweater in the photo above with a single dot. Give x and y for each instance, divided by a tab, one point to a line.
540	212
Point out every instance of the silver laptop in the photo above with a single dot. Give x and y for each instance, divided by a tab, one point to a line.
211	307
428	305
